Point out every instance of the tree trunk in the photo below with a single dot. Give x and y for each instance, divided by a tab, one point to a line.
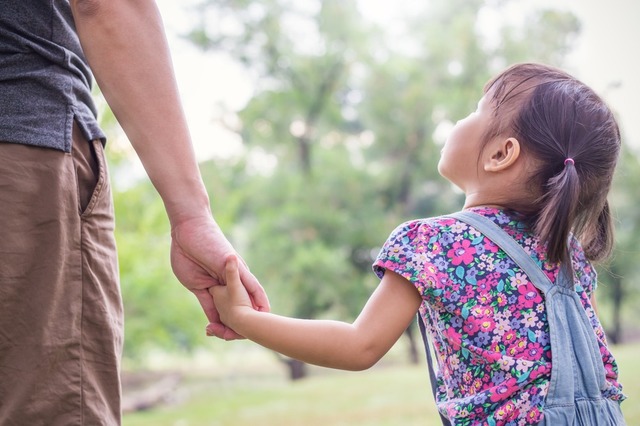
617	294
413	348
297	369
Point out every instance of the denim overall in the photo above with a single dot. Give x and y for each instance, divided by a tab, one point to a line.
577	372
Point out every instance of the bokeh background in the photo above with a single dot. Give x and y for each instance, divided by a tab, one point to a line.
318	125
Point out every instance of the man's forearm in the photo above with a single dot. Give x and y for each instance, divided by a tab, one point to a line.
125	44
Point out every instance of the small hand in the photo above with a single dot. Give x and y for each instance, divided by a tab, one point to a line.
230	299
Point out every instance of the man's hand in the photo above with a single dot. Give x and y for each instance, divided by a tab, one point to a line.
198	253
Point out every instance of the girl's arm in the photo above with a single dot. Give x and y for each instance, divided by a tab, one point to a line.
334	344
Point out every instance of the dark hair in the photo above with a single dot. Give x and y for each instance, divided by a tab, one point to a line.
555	117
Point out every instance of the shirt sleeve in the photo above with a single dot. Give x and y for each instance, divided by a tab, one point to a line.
403	252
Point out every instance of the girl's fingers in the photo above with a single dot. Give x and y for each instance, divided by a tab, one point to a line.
231	270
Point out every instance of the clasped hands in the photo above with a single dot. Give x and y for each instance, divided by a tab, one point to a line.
204	262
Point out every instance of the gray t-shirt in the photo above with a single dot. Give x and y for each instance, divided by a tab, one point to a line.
45	82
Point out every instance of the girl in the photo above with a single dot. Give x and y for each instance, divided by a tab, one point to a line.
536	159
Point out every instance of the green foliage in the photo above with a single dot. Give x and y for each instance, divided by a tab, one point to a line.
549	48
345	112
348	111
619	289
311	238
159	313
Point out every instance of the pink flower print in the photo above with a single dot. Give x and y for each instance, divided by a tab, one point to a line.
485	299
483	285
430	268
610	371
436	248
445	278
506	362
529	296
480	311
496	348
510	411
462	252
490	246
501	299
516	347
534	351
510	336
447	220
537	372
503	390
389	264
458	227
471	327
533	416
487	325
453	337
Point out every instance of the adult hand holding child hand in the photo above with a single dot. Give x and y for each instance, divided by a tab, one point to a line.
231	300
199	251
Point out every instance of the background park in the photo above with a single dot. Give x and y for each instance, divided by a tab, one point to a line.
319	124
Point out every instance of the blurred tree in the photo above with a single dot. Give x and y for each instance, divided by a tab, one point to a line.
414	91
517	45
303	234
342	140
299	52
617	277
159	312
347	112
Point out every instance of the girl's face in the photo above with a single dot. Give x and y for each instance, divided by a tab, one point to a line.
459	160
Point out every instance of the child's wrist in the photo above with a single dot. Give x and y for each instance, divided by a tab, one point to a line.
242	319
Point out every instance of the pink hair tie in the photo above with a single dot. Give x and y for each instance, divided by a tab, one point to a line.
569	160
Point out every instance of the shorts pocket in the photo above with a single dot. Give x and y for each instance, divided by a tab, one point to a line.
90	167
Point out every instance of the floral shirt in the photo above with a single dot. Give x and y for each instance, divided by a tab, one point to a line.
486	320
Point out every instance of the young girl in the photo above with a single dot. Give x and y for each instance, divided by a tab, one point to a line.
536	158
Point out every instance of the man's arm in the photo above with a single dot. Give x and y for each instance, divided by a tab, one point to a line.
126	47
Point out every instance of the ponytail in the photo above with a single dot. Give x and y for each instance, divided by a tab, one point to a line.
558	212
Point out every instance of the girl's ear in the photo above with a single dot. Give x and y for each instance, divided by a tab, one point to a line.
502	154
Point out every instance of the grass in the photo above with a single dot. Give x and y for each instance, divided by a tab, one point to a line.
628	358
384	395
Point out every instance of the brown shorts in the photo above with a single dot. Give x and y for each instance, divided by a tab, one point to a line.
61	314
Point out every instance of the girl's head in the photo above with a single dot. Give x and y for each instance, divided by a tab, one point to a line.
571	142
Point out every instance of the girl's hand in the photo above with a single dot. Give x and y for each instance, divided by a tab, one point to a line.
231	299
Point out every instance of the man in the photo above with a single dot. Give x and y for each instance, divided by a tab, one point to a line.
60	308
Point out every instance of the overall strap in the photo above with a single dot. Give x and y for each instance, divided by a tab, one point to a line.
432	374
